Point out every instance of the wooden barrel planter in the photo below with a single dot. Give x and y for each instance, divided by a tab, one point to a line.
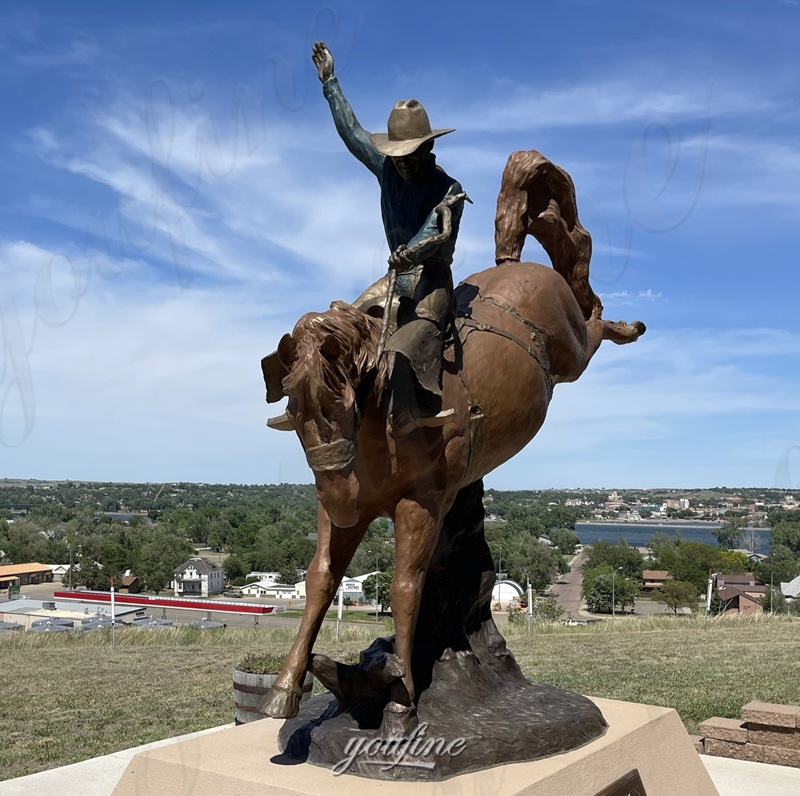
250	689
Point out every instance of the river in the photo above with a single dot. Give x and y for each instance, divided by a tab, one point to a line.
637	534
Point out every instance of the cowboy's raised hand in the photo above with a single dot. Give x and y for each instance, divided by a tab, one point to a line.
323	60
400	259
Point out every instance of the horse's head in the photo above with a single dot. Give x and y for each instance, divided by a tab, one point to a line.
325	359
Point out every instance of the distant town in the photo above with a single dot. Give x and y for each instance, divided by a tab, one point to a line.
18	496
637	505
601	548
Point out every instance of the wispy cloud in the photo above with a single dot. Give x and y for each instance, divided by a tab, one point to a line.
626	298
180	197
605	102
76	53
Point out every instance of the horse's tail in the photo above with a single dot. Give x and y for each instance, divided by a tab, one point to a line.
538	198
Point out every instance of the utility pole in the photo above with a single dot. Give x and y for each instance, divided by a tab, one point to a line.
377	586
113	614
339	611
711	576
530	605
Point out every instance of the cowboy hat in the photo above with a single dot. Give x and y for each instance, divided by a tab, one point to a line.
408	129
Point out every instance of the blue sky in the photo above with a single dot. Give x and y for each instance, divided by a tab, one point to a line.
173	196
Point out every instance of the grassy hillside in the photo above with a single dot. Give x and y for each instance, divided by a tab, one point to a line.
68	699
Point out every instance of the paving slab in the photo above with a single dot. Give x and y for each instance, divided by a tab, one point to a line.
95	777
100	775
743	778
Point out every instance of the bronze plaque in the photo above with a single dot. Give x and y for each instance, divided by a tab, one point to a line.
629	785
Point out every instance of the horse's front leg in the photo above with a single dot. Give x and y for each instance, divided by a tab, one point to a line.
335	548
416	532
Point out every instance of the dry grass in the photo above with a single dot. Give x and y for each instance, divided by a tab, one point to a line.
65	699
701	672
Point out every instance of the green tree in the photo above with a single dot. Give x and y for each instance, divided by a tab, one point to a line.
235	569
525	520
87	570
383	583
288	575
732	562
775	601
677	594
115	557
546	609
693	560
616	556
787	534
159	556
665	549
729	534
564	539
529	559
376	550
600	584
780	567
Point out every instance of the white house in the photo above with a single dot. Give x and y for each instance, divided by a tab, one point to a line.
59	570
268	588
352	589
269	577
791	589
198	577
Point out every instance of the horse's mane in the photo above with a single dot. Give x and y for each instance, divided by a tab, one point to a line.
352	333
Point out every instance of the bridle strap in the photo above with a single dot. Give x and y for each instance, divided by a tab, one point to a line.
331	455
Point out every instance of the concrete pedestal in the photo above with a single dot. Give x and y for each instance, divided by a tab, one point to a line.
247	759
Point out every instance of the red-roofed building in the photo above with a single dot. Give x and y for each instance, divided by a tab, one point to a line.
24	575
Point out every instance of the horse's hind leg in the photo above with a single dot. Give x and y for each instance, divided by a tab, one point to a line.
335	548
621	333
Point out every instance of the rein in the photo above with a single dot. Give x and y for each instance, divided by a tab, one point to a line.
537	335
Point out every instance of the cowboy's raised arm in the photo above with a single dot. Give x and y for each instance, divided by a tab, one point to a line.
355	137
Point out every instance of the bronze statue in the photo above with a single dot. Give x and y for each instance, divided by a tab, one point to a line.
518	329
412	186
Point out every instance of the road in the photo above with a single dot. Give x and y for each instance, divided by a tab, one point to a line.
568	588
568	594
45	591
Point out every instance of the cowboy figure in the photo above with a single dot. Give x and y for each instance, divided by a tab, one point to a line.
412	186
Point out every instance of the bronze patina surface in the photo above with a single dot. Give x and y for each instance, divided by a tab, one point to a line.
513	332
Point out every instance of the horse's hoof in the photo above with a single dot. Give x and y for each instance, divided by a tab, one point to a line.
640	328
398	720
281	703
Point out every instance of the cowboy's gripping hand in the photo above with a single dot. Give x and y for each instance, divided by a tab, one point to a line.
400	259
323	60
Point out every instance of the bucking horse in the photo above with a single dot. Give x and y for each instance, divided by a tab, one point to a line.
520	329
